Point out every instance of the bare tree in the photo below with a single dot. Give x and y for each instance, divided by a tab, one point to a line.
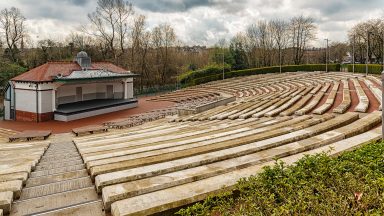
338	51
110	24
138	29
279	29
163	38
252	45
371	33
302	31
13	28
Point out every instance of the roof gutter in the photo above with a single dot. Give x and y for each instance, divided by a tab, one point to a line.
94	78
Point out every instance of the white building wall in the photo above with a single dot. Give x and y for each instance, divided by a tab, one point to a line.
45	101
25	100
129	90
26	94
26	97
67	93
7	110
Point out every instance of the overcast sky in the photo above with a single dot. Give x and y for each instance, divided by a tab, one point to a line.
202	22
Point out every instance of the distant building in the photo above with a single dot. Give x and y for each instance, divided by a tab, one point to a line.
193	49
66	91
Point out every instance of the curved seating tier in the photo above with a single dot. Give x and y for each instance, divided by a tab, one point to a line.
177	163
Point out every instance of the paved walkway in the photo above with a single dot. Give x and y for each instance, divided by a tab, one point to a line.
63	127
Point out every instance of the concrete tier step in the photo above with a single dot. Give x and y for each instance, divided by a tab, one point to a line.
198	160
14	176
135	161
94	208
56	178
14	186
6	198
185	194
123	149
56	187
54	201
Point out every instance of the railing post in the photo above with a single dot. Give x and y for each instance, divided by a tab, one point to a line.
382	109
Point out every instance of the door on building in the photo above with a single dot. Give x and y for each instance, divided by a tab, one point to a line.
79	93
109	91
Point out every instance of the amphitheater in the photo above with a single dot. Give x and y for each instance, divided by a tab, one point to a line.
170	161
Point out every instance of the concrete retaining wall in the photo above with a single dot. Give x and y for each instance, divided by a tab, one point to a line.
183	112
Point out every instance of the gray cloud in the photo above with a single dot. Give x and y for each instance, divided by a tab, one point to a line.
338	8
78	2
173	6
203	21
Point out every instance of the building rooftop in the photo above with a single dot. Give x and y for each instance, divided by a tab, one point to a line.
51	70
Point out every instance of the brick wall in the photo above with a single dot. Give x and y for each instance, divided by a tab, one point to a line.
32	117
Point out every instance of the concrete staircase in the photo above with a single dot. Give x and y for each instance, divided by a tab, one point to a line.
60	184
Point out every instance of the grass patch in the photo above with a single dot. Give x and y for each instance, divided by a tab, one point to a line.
351	184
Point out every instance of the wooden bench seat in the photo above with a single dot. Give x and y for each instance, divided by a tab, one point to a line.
30	134
89	129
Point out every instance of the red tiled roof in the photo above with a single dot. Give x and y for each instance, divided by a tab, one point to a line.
48	71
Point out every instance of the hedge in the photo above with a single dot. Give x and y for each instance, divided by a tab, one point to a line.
372	68
215	73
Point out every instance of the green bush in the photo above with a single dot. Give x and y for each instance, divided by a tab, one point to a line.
315	185
8	71
213	73
372	68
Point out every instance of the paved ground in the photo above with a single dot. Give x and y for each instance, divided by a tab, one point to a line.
62	127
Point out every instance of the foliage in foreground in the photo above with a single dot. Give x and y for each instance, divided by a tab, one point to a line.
351	184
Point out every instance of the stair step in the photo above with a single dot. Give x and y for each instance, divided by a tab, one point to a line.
56	178
58	151
46	166
57	170
94	208
59	161
56	158
61	151
61	154
54	201
56	187
45	161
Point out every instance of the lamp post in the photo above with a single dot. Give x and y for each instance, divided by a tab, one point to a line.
383	52
353	55
326	56
280	59
366	60
382	95
223	65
